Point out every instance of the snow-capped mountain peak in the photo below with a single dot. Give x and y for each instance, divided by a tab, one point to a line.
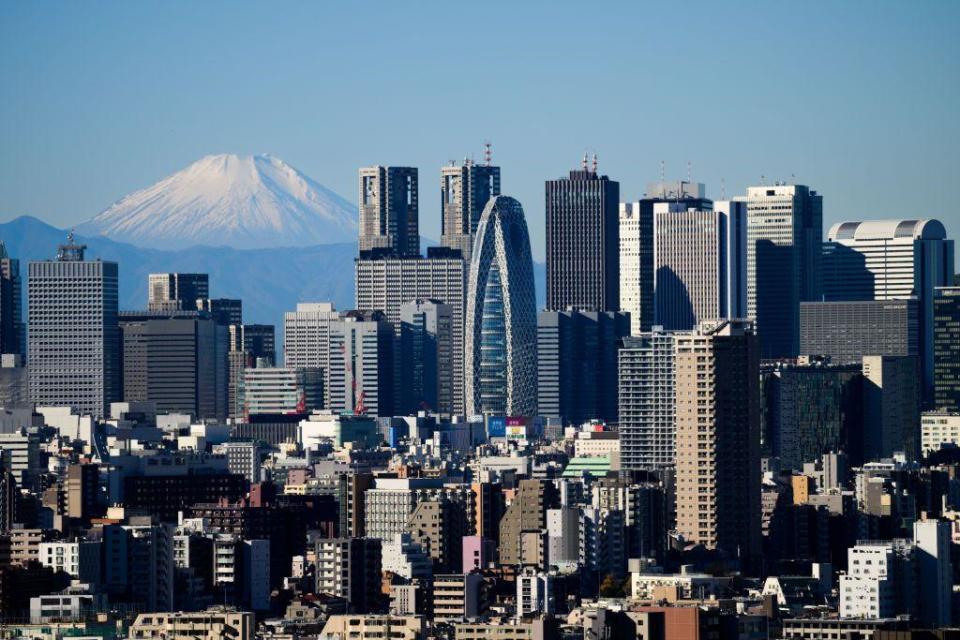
243	202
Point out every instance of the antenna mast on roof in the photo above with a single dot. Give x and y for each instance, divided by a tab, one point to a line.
488	153
594	162
583	163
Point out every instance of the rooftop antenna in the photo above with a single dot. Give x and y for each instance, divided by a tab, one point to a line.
689	171
662	169
723	189
763	180
71	251
793	178
488	153
583	163
594	162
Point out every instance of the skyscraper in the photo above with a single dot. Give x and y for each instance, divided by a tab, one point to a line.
306	339
176	291
577	364
258	340
700	263
389	210
501	320
636	246
225	311
784	235
464	192
170	359
900	259
12	334
361	364
847	331
426	351
582	242
891	406
647	401
718	438
74	338
385	283
946	349
812	408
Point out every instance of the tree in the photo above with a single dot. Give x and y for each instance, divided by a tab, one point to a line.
611	587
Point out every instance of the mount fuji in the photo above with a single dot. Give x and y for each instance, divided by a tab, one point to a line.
242	202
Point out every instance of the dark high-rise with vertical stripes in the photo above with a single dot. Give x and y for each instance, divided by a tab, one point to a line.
583	233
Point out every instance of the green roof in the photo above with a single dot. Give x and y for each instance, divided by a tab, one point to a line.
594	465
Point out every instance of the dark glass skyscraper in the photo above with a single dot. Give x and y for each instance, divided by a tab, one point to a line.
577	364
11	321
583	249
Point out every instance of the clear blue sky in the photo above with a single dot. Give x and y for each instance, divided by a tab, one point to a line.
860	100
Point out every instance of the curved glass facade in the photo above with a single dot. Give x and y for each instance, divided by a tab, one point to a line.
501	323
493	348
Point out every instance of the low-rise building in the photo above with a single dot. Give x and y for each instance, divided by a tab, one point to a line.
677	586
457	596
938	428
373	627
212	624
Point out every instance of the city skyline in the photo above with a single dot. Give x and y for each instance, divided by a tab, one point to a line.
708	388
835	137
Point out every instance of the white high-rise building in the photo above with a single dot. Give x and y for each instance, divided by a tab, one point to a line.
361	364
636	245
74	333
501	321
646	393
784	237
700	263
891	260
630	248
306	339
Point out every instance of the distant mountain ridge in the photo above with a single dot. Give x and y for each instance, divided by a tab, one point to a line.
269	281
243	202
